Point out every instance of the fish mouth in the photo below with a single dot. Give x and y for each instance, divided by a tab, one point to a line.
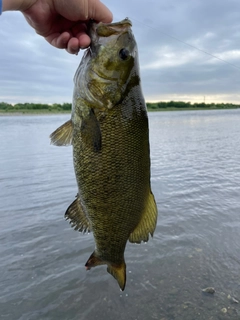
96	30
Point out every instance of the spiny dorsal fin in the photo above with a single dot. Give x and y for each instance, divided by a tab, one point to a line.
78	218
62	136
147	223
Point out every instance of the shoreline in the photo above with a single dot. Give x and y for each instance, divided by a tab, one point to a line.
190	109
42	113
29	113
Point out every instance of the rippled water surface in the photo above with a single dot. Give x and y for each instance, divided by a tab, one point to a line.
196	181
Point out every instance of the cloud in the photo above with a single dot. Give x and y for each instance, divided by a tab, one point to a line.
31	69
177	42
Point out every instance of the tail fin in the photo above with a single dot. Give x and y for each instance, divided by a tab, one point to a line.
118	271
94	261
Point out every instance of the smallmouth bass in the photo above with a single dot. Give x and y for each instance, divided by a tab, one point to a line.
109	134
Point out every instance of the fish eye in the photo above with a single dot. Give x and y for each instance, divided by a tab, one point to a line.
124	54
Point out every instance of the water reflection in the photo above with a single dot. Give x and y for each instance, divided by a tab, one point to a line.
196	182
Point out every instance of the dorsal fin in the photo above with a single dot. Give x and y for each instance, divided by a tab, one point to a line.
147	223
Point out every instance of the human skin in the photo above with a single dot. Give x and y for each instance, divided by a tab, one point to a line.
63	23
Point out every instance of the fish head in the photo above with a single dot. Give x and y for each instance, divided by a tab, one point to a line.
108	65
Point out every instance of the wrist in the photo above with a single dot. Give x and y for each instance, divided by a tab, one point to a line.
16	5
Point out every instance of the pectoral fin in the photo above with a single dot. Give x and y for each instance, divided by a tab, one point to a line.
91	133
62	136
78	218
147	223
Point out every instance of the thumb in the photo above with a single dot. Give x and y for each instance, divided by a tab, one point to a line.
76	10
98	11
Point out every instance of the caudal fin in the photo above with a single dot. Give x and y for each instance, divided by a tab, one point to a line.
94	261
118	271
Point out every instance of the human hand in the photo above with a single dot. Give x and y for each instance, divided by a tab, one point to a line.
63	23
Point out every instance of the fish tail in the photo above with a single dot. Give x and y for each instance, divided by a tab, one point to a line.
118	271
93	261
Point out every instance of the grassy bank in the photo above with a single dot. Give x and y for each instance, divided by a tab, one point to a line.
190	109
31	108
31	112
34	108
180	105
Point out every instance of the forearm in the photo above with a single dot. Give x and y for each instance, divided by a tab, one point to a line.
16	5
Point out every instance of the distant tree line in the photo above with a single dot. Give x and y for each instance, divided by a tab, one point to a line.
189	105
170	105
56	107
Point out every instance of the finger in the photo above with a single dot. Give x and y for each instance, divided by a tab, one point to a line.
79	31
84	10
99	12
59	40
73	46
82	41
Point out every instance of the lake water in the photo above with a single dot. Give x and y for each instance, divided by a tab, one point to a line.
196	181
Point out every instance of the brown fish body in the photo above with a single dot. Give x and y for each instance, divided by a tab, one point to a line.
109	134
115	180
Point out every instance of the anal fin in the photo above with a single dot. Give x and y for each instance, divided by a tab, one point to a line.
62	136
78	218
147	223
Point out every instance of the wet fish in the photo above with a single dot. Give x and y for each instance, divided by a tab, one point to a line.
109	134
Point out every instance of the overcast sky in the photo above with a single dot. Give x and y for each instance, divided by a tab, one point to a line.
31	70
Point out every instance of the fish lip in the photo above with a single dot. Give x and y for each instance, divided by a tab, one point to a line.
122	23
92	31
94	24
100	29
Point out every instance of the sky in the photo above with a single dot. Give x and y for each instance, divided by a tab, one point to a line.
177	41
